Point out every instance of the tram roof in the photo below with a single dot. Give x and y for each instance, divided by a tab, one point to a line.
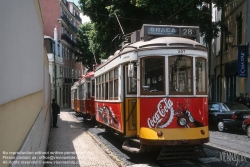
171	42
158	43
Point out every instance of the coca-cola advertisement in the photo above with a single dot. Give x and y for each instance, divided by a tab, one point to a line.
109	114
173	112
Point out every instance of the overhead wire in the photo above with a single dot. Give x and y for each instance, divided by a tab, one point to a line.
179	9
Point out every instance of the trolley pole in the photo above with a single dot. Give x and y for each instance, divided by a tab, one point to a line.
119	23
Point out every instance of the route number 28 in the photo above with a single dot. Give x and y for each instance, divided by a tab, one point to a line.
187	31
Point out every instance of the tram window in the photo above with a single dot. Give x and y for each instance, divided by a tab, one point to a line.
103	87
96	88
89	90
111	84
153	72
131	85
93	88
106	85
106	91
99	88
180	74
81	90
116	86
200	67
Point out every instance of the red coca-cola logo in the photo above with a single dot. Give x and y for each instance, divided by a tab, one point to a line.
163	115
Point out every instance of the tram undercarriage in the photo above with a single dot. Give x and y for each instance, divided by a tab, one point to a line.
165	152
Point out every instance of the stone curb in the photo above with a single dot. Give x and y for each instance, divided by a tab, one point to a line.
107	151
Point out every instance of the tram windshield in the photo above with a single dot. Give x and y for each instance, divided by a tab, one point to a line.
180	76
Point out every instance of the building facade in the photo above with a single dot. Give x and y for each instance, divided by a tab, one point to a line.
54	53
25	81
65	16
214	51
232	62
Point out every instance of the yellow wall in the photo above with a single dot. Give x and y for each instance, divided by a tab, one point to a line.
16	119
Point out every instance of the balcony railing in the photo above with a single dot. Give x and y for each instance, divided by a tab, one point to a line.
67	39
65	19
78	17
65	3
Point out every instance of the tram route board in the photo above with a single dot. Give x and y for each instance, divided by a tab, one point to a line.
191	32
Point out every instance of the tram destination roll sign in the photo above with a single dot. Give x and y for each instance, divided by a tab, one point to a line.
171	31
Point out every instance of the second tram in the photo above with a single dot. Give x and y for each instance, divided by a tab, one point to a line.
82	96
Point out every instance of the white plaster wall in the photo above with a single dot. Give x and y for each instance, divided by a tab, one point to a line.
47	85
21	52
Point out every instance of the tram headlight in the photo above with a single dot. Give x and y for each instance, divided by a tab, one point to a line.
182	121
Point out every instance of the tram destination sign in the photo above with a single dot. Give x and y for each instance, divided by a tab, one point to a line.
166	30
163	31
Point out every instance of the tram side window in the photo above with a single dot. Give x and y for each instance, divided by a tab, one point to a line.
131	85
100	88
103	87
116	86
75	94
93	88
97	88
106	85
111	84
88	91
72	94
153	72
200	64
81	90
180	74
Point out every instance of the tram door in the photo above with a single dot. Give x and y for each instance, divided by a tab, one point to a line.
131	104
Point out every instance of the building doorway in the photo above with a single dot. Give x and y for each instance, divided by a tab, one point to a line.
231	88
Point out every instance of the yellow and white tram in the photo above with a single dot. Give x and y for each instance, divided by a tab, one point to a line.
154	89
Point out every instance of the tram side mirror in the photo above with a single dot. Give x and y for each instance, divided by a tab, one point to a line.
131	70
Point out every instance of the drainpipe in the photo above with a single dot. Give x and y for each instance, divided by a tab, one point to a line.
55	53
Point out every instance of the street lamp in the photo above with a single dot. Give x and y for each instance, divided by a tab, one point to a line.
230	39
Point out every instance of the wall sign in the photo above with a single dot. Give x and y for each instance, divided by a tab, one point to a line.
242	61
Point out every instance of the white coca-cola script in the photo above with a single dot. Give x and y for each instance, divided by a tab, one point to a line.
163	116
